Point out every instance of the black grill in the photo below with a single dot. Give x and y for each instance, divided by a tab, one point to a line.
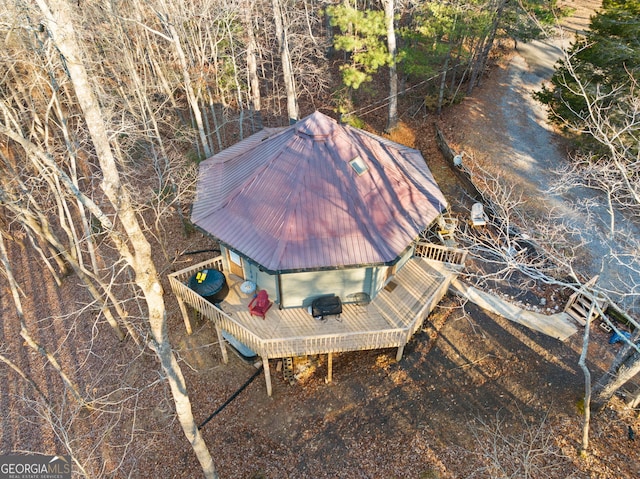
326	306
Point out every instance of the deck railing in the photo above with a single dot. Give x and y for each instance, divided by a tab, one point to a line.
445	254
395	337
332	343
184	275
276	348
427	307
179	281
294	346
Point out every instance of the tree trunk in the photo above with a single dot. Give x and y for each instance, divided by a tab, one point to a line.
190	93
625	366
443	82
191	96
23	375
634	400
328	28
61	28
481	61
287	67
392	118
252	68
35	221
582	362
214	117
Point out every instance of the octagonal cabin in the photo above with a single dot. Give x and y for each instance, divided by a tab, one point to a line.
314	213
316	208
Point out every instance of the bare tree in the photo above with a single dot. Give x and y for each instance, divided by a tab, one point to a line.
625	366
582	362
18	199
613	125
131	243
189	89
389	15
511	241
479	63
28	337
515	246
515	448
252	64
285	57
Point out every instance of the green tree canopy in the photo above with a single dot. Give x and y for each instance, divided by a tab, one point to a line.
363	36
601	71
458	35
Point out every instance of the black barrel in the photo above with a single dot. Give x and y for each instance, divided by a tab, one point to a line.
210	284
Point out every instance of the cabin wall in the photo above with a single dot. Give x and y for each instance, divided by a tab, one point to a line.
299	289
263	279
379	276
251	272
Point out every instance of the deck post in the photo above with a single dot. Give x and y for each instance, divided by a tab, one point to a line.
399	353
267	374
223	346
185	315
329	367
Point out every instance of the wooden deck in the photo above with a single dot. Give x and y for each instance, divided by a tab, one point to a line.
389	320
384	322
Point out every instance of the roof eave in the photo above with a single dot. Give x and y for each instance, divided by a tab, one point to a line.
318	268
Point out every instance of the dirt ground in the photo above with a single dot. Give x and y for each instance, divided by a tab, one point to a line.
467	382
473	396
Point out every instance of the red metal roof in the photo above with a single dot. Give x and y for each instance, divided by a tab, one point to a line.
289	199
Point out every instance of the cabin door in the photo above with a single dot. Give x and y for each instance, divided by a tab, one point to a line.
391	270
235	264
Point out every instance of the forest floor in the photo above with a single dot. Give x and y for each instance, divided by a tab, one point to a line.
474	395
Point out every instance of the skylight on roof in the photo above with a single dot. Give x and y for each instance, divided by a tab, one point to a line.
358	165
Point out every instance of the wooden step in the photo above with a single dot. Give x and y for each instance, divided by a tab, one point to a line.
583	301
576	317
579	309
580	304
582	313
586	302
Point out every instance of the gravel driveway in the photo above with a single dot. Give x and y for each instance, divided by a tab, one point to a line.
505	129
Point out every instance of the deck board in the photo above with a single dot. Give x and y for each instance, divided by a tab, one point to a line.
389	320
416	282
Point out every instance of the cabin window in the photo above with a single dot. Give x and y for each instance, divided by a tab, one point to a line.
235	257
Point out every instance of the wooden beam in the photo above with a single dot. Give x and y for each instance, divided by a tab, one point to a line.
185	315
399	353
267	374
223	345
329	367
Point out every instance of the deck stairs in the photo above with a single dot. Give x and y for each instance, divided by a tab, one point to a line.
583	301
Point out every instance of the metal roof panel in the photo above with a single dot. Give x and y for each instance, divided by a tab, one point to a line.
289	199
